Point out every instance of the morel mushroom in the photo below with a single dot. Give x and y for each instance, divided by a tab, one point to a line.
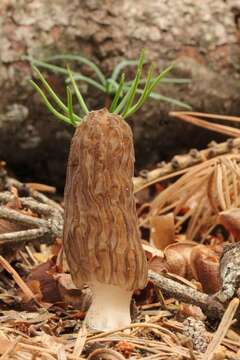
101	238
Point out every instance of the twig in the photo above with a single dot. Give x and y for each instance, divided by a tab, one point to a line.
213	308
16	216
29	202
53	225
35	194
222	329
22	236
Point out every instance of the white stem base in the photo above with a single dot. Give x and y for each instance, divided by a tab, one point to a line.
110	309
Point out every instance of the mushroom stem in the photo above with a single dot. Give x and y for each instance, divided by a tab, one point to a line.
110	308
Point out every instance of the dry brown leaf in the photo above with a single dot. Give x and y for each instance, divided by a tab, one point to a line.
177	257
205	268
230	219
162	230
42	283
158	264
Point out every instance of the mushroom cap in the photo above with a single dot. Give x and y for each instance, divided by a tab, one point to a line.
101	236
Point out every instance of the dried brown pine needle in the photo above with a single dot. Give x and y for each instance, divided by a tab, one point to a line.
202	192
222	329
193	118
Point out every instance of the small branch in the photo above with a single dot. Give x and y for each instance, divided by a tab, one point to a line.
213	308
16	216
35	194
24	235
55	216
30	203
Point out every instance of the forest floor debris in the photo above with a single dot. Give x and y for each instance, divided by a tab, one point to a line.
42	313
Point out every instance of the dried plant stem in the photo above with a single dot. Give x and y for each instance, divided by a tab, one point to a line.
222	329
180	163
213	308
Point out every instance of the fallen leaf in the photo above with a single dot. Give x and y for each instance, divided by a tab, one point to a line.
162	231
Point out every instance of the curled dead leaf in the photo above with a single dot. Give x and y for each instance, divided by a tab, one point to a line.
43	284
177	257
205	268
78	298
50	286
158	264
230	219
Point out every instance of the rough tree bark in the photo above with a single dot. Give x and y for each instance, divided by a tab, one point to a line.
203	35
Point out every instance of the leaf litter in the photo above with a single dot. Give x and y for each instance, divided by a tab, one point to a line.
188	215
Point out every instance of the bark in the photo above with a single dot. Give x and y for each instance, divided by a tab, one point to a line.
202	35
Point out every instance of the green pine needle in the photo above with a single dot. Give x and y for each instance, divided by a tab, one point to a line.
134	86
117	94
123	102
57	114
143	96
70	117
70	106
77	92
50	91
